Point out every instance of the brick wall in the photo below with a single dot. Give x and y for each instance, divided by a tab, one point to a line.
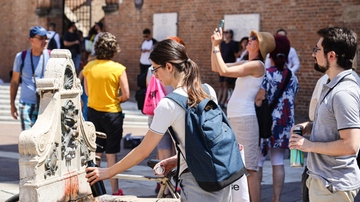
196	21
17	17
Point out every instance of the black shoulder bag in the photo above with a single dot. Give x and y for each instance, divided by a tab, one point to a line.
264	112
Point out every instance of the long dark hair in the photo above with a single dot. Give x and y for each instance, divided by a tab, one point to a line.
170	51
281	52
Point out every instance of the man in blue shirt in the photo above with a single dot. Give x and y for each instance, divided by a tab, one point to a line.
29	66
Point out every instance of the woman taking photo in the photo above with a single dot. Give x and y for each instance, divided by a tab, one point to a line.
172	66
241	108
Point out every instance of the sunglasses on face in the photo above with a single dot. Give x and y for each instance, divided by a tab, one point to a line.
40	38
253	38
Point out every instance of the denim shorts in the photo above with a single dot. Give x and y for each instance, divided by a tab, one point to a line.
28	115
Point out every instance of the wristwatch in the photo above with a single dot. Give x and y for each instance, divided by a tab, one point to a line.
216	51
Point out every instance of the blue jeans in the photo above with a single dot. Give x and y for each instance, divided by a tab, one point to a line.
77	60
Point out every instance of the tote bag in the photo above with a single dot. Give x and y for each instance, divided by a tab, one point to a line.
154	93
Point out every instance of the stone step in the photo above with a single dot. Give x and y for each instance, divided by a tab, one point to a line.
4	86
131	120
133	117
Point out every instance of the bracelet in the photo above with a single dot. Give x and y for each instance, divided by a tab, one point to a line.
216	51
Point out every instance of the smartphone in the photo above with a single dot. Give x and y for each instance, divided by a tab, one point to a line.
221	24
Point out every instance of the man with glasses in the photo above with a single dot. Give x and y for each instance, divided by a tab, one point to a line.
334	174
145	63
146	47
29	65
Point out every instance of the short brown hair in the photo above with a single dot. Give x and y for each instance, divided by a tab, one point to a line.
106	46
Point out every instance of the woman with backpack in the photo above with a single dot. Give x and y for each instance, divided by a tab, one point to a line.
241	108
172	66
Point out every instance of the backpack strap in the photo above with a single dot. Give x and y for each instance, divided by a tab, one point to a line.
327	93
172	134
279	93
178	99
23	55
182	101
53	37
154	41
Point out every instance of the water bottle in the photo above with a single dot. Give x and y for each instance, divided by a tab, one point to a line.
159	169
297	156
98	188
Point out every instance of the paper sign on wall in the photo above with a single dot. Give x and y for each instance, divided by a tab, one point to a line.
165	25
242	24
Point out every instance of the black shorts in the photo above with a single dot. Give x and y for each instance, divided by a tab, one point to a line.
144	68
222	79
112	125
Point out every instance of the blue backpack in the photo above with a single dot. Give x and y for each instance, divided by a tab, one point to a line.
212	152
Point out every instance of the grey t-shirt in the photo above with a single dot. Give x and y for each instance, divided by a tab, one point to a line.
338	110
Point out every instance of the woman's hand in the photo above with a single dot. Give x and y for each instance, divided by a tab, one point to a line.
95	174
217	37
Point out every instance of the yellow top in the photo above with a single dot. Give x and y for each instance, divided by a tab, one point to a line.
103	84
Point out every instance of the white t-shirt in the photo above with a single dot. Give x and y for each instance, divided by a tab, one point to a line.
50	34
293	61
93	44
144	58
316	95
168	113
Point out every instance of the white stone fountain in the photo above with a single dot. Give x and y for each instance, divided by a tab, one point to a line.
54	152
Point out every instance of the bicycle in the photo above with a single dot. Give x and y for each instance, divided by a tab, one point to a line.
165	181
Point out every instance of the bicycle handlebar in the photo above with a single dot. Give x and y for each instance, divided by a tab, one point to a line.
152	162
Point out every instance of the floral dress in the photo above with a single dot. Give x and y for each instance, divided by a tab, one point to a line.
283	114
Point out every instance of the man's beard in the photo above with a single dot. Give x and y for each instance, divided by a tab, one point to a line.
320	68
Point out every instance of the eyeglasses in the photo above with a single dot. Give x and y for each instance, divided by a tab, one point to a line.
253	38
154	70
145	36
41	38
316	49
226	32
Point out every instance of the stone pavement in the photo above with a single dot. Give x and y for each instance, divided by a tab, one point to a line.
9	170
